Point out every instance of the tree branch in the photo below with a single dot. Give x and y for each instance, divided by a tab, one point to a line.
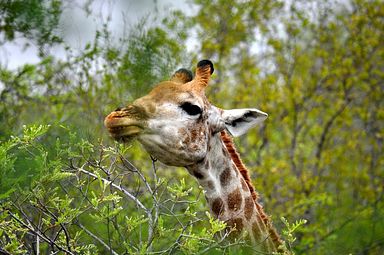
96	238
118	187
42	236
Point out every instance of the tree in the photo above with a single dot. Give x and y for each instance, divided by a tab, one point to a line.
315	67
34	20
318	74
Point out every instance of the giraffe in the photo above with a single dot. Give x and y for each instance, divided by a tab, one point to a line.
176	124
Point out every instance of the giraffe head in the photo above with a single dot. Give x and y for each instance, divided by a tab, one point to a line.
175	121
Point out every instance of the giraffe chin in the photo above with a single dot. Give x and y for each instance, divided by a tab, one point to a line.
124	134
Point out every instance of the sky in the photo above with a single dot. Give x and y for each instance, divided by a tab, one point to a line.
77	28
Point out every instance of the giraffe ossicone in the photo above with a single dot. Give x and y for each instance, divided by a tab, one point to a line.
177	124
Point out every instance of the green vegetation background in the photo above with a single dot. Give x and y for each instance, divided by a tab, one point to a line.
316	67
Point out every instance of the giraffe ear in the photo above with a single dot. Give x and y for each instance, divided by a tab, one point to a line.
204	71
239	121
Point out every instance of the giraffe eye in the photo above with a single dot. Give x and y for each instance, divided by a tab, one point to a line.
191	109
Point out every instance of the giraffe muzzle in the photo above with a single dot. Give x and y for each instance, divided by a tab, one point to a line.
121	127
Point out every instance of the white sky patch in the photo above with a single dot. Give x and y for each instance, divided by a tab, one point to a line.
77	28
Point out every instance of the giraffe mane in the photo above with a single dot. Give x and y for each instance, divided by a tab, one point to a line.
228	142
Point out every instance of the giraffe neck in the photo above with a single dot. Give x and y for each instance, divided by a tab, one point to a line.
231	196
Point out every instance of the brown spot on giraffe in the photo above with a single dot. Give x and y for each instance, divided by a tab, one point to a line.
235	200
217	206
235	226
198	174
225	177
194	134
249	208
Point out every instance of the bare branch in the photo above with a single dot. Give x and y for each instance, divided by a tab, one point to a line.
96	238
153	222
37	232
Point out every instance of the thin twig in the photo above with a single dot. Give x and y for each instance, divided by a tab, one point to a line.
153	224
42	236
118	187
66	233
97	238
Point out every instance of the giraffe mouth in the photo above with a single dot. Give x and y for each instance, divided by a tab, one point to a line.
124	133
122	129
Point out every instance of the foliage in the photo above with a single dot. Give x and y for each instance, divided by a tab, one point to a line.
315	66
73	204
319	75
33	19
290	229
